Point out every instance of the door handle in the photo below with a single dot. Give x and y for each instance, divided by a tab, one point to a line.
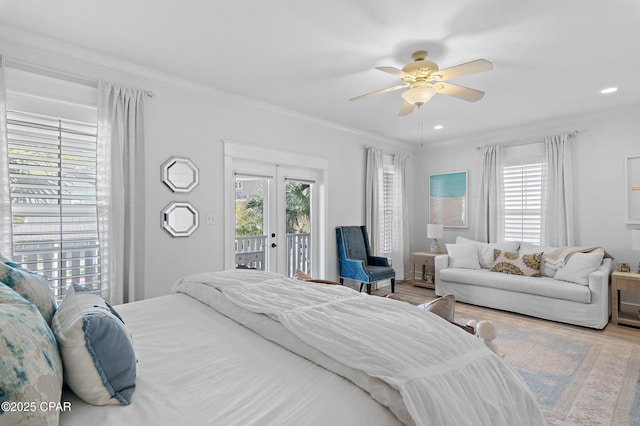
274	245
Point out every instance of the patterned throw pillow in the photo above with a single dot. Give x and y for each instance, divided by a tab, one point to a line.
33	287
512	263
30	364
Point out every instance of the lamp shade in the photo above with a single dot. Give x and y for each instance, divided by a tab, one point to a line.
635	239
435	230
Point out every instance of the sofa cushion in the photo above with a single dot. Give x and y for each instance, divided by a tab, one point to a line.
463	256
507	262
579	266
542	286
485	250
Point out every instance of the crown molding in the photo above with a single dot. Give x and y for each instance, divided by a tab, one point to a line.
46	52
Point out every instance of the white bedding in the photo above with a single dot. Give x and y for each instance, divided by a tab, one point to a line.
197	367
425	370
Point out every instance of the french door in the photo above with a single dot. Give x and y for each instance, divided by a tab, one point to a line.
275	210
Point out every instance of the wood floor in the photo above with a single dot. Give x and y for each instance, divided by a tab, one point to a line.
417	295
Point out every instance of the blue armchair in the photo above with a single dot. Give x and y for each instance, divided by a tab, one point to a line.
356	262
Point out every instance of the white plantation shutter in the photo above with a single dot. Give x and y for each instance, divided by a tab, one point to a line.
523	202
522	180
388	211
52	172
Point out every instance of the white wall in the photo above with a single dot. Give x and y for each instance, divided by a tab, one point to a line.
184	119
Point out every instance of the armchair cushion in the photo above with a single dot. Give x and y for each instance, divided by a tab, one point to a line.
379	273
378	261
355	246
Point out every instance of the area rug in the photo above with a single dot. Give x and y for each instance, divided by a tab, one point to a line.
578	377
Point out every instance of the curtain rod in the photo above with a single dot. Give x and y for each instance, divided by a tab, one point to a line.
527	142
50	72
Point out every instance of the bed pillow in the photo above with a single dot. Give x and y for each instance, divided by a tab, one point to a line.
96	348
33	287
512	263
463	256
579	266
485	250
30	364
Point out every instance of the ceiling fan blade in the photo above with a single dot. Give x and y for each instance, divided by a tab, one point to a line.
377	92
459	92
406	108
394	71
479	65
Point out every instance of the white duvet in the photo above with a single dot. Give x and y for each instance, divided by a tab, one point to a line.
425	370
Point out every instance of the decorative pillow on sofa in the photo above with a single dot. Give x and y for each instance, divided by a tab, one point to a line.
96	348
579	266
33	287
546	269
512	263
30	364
485	250
463	256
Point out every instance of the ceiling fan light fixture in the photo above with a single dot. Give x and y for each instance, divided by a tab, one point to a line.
418	95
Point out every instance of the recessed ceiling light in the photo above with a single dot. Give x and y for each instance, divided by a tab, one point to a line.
438	126
609	90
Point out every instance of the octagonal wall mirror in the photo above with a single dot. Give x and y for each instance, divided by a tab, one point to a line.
180	219
180	174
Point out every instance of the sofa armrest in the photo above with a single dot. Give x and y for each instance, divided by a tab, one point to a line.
378	261
599	283
440	262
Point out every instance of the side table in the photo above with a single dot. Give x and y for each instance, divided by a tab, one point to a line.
626	281
427	261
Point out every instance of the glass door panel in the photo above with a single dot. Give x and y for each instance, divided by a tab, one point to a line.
298	226
252	222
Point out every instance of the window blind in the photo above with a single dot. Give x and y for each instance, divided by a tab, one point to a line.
523	202
388	210
52	173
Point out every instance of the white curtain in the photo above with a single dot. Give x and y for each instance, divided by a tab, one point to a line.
6	221
374	199
557	202
120	192
491	213
400	229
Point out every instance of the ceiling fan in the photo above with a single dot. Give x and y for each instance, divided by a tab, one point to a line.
424	79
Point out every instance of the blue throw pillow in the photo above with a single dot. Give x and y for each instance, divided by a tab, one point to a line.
33	287
30	364
96	348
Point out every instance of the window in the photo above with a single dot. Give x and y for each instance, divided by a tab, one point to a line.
52	138
387	217
523	202
522	180
52	171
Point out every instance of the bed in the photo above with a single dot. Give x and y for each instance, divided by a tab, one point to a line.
248	347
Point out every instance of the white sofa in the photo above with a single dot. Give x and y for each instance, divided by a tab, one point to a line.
584	300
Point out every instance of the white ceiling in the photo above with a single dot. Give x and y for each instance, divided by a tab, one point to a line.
551	57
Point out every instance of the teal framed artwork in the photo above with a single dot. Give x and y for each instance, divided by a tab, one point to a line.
448	199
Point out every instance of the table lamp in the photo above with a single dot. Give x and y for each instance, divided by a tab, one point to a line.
435	231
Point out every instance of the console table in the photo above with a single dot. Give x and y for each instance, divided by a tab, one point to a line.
427	261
